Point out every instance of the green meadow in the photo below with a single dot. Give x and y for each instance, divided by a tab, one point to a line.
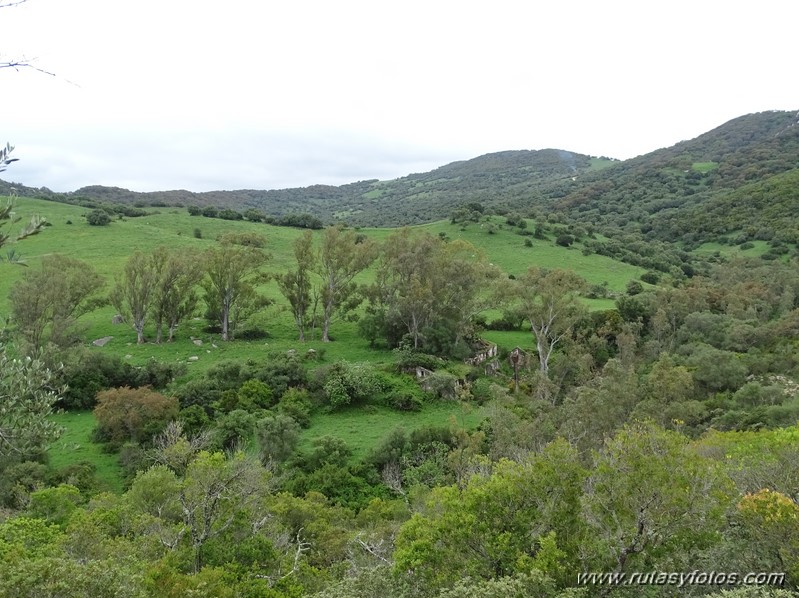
108	247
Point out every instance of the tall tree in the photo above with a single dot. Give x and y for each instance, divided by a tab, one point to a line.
135	288
232	273
295	285
342	256
175	294
427	284
548	299
404	280
47	302
677	512
216	492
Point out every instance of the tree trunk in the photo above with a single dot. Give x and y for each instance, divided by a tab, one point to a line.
139	326
225	323
326	324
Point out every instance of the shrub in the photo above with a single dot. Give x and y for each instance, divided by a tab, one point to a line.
132	414
194	419
246	239
296	403
254	395
282	371
346	383
564	240
98	218
441	385
234	428
277	436
198	234
405	400
650	277
634	288
89	373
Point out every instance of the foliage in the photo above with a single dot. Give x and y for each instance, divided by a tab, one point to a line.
28	394
340	259
232	272
98	218
47	302
277	436
132	414
135	287
548	301
346	383
295	285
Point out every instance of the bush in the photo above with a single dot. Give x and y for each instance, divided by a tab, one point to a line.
198	234
282	371
88	373
564	240
233	429
405	400
194	419
634	288
246	239
98	218
650	277
296	403
346	383
132	414
278	436
254	395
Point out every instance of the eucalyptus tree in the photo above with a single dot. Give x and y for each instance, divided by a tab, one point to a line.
232	273
342	256
295	285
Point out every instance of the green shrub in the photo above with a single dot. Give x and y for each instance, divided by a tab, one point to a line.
296	403
98	218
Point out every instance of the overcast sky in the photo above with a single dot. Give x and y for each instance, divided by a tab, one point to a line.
231	94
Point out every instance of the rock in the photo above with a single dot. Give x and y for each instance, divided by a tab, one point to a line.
100	342
193	358
118	319
197	342
128	356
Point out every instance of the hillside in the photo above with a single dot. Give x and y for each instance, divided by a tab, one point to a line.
654	197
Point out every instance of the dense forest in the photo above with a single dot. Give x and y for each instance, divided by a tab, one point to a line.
613	346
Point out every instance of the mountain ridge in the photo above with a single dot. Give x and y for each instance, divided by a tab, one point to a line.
573	186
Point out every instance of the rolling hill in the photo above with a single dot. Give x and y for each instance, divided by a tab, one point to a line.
656	196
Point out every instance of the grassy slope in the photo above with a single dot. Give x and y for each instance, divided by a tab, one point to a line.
107	248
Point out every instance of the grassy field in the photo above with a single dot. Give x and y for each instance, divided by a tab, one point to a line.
107	248
731	251
75	445
363	429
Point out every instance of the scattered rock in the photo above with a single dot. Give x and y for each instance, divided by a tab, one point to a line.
193	358
128	356
100	342
197	342
118	319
